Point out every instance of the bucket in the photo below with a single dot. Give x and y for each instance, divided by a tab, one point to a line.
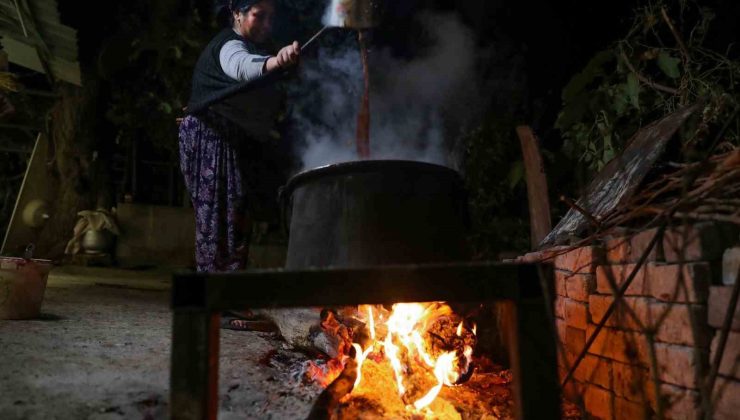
22	286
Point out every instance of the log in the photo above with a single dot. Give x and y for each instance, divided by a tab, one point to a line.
328	404
537	194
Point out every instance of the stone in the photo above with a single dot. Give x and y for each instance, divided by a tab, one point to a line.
599	402
580	286
579	260
681	365
679	282
560	307
595	370
718	306
620	318
680	403
730	363
560	280
629	249
629	410
560	327
624	346
606	274
576	314
730	265
575	340
674	323
632	382
727	392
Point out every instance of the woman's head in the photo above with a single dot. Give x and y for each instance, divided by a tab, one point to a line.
252	19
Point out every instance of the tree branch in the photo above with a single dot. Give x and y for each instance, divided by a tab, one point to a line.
645	80
679	40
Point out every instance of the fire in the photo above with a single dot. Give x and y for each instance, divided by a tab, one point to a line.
399	338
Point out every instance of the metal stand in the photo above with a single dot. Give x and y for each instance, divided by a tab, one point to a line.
198	299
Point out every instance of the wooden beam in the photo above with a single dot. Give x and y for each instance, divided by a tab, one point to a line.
467	282
537	193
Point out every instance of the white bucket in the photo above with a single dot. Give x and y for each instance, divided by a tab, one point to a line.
22	286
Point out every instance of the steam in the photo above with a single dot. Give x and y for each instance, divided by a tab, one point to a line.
337	13
417	107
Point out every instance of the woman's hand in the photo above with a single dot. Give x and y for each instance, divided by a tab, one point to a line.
286	57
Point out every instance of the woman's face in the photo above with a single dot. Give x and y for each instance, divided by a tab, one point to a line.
256	23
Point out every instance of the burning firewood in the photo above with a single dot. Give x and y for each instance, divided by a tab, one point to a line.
328	404
312	329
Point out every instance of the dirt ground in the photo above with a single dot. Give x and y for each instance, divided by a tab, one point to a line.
101	350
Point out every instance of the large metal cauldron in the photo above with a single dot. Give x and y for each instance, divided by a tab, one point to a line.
374	213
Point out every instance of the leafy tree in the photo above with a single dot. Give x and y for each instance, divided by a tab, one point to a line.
664	62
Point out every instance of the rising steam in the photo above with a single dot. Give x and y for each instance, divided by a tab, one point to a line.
417	106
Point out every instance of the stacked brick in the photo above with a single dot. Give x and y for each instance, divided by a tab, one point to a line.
669	318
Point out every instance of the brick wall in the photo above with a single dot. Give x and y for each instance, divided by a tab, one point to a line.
670	315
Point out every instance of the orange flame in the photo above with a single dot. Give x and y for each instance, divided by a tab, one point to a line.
406	326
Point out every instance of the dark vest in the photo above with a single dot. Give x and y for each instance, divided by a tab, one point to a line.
252	105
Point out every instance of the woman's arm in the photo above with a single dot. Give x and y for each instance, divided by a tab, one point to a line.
286	57
240	64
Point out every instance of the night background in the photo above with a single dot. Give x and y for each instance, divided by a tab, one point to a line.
136	62
599	138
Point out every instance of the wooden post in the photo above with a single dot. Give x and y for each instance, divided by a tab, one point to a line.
539	202
532	350
194	370
533	362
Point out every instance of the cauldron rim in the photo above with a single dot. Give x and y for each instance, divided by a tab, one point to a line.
360	166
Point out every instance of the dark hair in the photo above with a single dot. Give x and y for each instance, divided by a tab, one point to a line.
225	10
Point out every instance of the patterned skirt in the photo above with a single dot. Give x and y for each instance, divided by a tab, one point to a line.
222	170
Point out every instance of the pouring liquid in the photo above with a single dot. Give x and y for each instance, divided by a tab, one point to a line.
363	116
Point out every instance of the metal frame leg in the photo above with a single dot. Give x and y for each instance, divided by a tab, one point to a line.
194	370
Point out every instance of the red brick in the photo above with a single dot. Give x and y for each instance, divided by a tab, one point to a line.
727	392
632	382
680	403
576	314
619	274
573	390
628	410
679	282
730	265
595	370
730	364
673	323
620	318
680	365
629	249
579	260
560	307
560	326
560	280
624	346
575	339
599	402
699	242
719	305
580	286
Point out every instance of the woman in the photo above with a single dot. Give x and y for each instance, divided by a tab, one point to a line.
224	135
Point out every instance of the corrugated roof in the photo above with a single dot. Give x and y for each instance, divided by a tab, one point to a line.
43	27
